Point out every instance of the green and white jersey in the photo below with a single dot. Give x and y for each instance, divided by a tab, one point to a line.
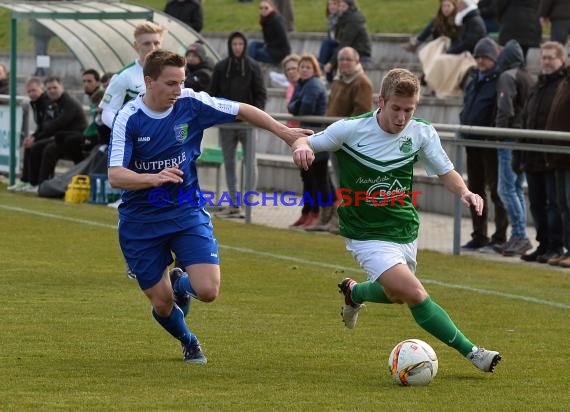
124	86
376	175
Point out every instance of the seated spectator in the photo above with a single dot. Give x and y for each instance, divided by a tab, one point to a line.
68	123
519	21
106	78
443	24
290	66
350	31
275	45
4	80
35	143
187	11
199	68
445	64
310	99
329	44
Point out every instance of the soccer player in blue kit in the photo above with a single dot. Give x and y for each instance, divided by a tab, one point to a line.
155	142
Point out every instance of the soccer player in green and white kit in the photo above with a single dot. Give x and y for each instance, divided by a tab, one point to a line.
376	153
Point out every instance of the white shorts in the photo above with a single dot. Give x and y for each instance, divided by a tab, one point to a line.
377	256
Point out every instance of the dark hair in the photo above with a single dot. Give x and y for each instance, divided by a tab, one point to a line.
107	76
94	72
445	26
154	63
52	79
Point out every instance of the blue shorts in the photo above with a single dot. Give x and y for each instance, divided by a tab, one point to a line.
148	246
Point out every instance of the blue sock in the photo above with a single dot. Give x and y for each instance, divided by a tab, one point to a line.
175	325
182	285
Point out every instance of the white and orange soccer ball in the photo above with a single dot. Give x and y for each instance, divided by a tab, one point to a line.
413	362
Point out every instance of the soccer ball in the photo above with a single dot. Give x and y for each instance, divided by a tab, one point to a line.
413	362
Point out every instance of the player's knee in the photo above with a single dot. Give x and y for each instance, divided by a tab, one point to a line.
209	294
163	308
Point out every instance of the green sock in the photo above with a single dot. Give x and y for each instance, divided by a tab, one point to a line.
430	316
369	292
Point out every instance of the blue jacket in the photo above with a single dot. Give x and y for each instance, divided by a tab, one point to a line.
480	100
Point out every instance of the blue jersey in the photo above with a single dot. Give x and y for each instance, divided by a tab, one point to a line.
145	141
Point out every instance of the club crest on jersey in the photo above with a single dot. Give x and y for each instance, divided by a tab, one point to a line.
181	132
405	144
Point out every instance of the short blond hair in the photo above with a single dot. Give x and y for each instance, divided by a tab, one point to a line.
290	58
554	45
399	82
148	27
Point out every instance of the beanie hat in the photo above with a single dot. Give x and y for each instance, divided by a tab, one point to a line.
198	49
486	47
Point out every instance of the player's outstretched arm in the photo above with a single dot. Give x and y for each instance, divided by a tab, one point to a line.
303	155
123	178
455	184
259	118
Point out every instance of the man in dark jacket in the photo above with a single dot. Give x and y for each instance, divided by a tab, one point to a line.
513	88
68	122
239	78
187	11
557	12
538	170
479	105
519	21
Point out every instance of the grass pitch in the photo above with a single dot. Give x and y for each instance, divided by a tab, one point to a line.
77	335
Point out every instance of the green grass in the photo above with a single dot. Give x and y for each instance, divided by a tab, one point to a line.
77	335
383	16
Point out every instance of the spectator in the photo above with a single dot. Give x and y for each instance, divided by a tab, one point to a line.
285	8
75	148
239	78
187	11
4	80
350	95
275	45
519	20
513	89
199	68
443	24
445	64
129	81
290	66
559	119
488	11
106	79
35	143
539	173
66	128
310	99
479	106
329	44
557	12
350	31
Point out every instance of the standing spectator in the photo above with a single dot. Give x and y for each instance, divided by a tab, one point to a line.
187	11
557	12
559	120
539	173
329	44
68	122
513	88
198	69
285	8
479	106
290	66
488	10
129	81
239	78
275	45
443	24
35	143
4	80
310	99
350	95
519	21
350	31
